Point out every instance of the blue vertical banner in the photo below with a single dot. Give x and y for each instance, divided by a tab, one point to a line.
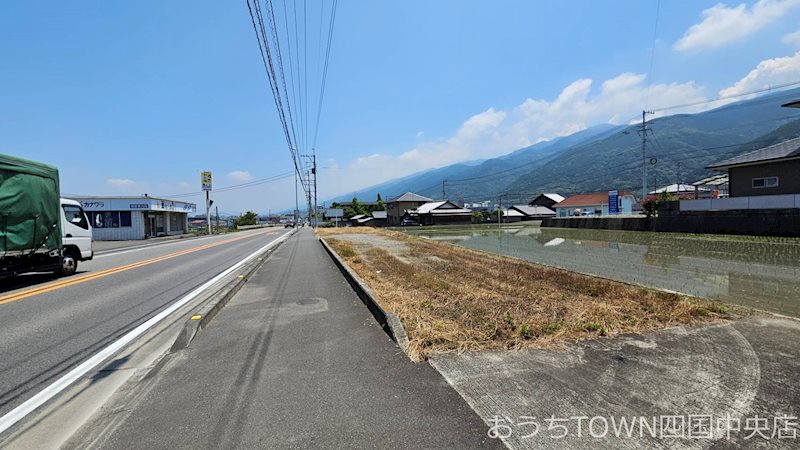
613	202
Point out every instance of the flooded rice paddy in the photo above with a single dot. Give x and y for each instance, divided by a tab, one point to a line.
761	272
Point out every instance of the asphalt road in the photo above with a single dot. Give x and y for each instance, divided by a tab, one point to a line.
49	325
294	360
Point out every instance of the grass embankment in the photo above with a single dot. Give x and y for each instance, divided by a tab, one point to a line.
456	299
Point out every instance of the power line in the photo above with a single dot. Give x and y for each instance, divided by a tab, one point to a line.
236	186
325	70
276	78
652	52
728	97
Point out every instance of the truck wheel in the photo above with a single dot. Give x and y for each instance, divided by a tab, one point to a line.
69	264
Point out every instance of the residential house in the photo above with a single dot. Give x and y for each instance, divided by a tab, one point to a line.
378	219
511	215
715	186
443	212
355	220
533	212
479	206
772	170
396	207
374	219
675	189
594	204
547	200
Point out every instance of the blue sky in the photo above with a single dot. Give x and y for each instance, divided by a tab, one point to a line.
135	97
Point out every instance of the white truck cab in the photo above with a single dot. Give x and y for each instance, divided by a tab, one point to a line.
76	235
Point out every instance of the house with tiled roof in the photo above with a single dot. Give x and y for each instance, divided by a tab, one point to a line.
534	212
547	200
772	170
594	204
442	212
397	206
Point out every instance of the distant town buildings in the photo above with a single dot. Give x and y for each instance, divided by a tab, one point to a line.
715	186
677	189
479	206
594	204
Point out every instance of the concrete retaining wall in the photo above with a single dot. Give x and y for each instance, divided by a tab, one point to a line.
602	223
763	222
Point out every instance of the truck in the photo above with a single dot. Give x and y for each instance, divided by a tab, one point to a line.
39	230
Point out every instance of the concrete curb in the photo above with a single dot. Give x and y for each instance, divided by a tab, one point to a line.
390	323
219	299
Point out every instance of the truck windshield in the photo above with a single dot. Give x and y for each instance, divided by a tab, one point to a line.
75	216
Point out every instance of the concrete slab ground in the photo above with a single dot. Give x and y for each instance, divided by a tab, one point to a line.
295	360
740	378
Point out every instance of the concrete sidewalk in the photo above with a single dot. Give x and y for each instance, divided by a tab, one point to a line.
737	379
294	360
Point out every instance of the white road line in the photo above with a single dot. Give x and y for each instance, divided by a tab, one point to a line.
73	375
166	244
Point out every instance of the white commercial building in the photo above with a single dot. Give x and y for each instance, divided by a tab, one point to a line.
125	218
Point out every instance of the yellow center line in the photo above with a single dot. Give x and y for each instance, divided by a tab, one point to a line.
104	273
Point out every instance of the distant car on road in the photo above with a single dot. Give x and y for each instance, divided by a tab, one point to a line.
289	225
410	223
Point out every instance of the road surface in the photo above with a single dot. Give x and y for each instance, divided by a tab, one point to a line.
294	360
49	325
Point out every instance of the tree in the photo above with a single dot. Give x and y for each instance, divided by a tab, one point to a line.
379	201
358	208
248	218
652	202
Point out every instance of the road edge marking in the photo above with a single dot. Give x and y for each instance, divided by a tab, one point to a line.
43	396
171	242
91	276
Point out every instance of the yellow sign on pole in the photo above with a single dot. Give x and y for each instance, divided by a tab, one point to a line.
205	180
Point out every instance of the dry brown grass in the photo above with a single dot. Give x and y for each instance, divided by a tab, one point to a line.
456	299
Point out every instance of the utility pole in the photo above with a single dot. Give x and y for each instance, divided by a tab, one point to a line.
314	172
311	188
208	212
296	206
444	191
216	221
499	208
643	132
205	184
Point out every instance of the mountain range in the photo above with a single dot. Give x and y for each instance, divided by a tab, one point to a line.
603	157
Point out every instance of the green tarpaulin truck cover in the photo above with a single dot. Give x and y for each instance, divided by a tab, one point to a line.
30	217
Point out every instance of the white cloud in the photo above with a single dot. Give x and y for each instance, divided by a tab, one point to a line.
722	24
495	132
768	73
792	39
240	175
120	182
124	186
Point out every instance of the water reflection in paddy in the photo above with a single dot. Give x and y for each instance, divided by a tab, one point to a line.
763	272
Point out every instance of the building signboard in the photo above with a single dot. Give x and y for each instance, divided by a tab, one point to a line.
205	180
135	204
334	212
613	202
